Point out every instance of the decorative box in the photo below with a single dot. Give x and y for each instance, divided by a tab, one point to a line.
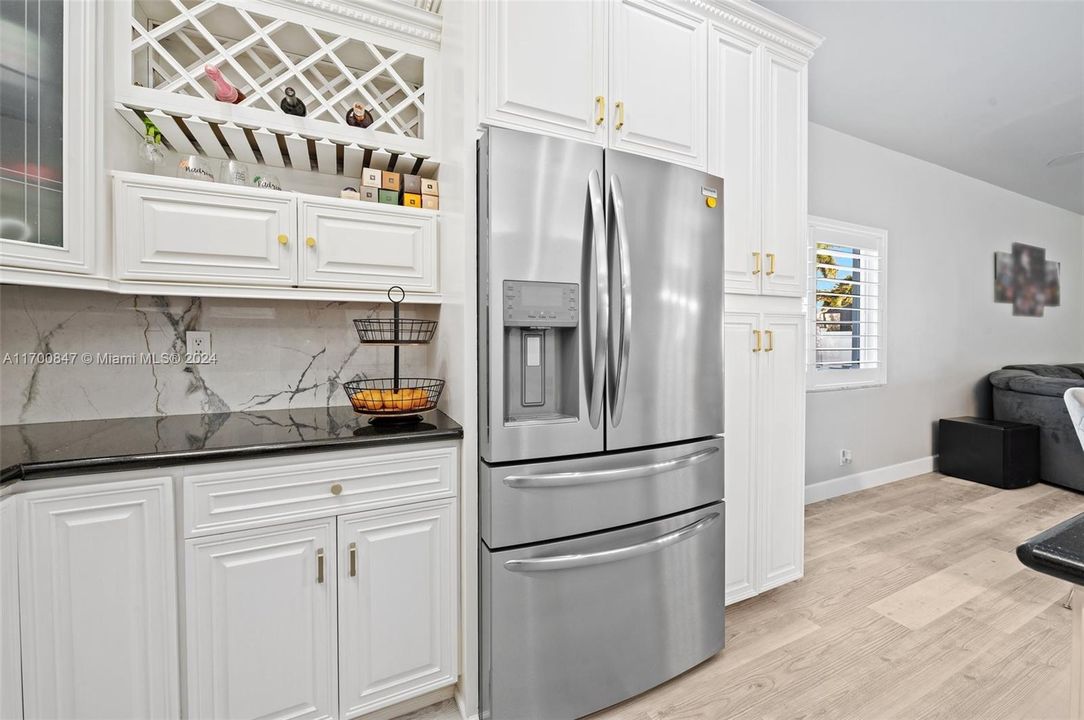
412	200
430	202
389	180
370	194
389	197
412	184
430	187
370	177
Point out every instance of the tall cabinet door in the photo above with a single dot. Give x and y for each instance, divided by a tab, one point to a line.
11	674
261	623
781	392
545	66
740	459
397	605
658	73
784	203
733	140
97	599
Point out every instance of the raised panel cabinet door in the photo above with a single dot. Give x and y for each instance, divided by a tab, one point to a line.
190	231
740	420
347	246
397	605
783	238
261	623
97	586
11	674
781	451
658	82
545	66
733	152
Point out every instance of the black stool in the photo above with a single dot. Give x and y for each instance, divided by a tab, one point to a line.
994	452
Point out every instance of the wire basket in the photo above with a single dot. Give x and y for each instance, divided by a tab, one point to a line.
395	331
394	398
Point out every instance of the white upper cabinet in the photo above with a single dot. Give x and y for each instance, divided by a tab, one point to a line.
186	230
785	190
350	249
98	602
658	62
261	623
733	144
51	146
545	65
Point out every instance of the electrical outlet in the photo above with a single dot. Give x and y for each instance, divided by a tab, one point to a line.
845	457
197	345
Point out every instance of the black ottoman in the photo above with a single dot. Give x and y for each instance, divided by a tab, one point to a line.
994	452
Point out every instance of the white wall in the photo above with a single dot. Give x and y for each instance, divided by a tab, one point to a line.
945	332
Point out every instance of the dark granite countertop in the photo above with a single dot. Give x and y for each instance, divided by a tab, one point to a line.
1058	551
61	448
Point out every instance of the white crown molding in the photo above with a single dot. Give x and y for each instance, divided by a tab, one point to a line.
395	19
762	22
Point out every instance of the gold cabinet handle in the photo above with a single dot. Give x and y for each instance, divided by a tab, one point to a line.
756	263
336	489
310	241
600	110
771	264
620	106
284	239
353	559
756	334
771	341
320	565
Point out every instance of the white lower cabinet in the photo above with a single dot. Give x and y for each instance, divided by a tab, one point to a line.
97	603
261	623
765	434
11	673
397	608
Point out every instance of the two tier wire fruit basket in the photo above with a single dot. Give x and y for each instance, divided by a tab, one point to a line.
394	400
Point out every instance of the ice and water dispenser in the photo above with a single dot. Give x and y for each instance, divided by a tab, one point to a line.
540	358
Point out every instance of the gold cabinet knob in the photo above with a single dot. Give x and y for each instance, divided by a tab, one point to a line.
283	239
310	241
336	489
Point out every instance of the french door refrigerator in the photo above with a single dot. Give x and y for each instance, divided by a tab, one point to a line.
601	416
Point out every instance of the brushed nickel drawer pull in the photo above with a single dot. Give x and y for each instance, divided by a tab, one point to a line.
320	566
353	559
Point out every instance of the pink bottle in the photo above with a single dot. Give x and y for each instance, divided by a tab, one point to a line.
224	92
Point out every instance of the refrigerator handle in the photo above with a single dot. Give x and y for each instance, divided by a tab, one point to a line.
619	365
594	359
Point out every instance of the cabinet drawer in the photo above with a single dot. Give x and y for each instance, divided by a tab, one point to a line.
348	246
205	232
236	495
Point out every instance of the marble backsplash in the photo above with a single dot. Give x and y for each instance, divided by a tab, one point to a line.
77	355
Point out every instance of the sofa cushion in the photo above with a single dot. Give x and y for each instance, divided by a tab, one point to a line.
1078	368
1001	378
1034	385
1048	371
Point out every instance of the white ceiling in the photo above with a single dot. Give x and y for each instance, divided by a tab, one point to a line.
991	89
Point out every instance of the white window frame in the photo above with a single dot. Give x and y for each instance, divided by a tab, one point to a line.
838	232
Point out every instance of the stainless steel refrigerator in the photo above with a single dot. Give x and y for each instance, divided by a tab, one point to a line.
601	418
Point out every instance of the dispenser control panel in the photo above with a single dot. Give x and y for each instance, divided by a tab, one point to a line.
540	304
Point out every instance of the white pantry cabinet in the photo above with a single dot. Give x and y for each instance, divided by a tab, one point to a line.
396	604
757	143
765	431
11	680
658	66
345	248
627	73
177	235
98	601
261	623
545	66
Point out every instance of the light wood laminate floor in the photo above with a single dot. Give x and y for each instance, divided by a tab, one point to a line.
913	605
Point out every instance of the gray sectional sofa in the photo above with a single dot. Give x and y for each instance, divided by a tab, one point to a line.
1033	394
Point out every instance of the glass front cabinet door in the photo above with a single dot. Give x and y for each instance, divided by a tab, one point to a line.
49	141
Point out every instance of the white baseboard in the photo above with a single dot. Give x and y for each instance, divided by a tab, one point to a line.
461	705
870	478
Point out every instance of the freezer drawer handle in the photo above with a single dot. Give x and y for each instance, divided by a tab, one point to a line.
586	477
567	562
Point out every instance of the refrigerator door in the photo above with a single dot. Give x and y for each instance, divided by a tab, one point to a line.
541	219
574	626
665	234
519	504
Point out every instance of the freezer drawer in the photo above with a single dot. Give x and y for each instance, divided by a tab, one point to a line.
521	504
572	627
